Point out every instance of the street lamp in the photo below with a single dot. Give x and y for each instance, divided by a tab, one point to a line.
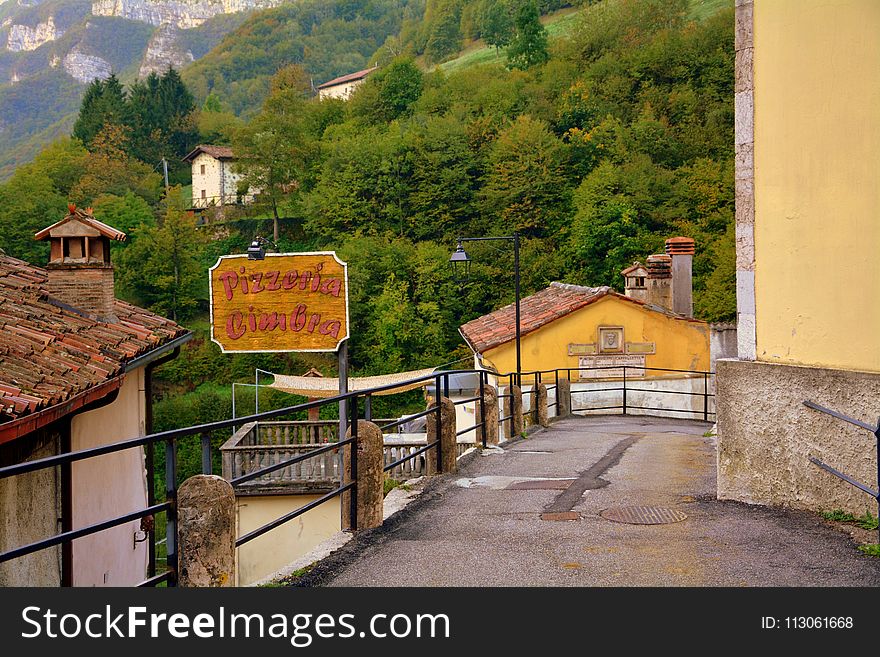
461	265
256	251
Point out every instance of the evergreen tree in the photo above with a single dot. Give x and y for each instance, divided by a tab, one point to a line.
528	46
103	104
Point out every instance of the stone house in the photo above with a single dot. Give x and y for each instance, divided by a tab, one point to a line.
343	86
214	179
75	373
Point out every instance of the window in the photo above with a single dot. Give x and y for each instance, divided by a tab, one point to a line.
640	281
203	170
203	194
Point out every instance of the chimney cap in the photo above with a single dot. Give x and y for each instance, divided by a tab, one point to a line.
85	217
680	246
659	266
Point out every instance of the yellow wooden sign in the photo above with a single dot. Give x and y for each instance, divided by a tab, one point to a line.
286	302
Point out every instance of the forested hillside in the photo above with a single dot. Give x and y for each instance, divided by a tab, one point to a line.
596	146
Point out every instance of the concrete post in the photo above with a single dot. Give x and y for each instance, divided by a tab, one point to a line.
563	394
541	405
490	426
370	477
515	426
206	532
448	439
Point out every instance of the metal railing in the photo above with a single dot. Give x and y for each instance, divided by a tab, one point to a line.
626	387
837	473
204	432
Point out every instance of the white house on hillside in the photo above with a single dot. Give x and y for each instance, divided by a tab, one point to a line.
213	180
342	87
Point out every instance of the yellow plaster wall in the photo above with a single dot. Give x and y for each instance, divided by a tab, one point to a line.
817	182
680	344
275	549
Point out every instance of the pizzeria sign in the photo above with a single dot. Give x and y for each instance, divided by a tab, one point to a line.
285	302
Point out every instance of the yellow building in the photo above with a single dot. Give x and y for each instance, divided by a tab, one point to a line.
808	273
570	326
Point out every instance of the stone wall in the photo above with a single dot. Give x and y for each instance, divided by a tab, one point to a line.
766	435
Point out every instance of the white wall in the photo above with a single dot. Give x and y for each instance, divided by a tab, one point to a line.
685	392
108	486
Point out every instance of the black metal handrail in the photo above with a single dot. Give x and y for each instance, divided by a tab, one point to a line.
837	473
204	431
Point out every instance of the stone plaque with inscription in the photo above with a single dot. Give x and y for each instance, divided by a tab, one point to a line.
611	366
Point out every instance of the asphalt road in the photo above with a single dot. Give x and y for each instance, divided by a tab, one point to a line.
484	527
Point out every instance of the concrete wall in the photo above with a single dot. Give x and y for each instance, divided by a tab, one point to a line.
342	91
816	113
285	544
109	486
30	509
680	344
683	397
766	435
722	343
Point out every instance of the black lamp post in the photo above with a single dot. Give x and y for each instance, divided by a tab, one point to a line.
256	251
461	266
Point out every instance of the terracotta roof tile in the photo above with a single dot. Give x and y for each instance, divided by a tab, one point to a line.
49	353
351	77
551	303
217	152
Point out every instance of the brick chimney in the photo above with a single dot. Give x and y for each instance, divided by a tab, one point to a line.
80	271
681	249
659	281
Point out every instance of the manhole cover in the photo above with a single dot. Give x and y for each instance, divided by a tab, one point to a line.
643	515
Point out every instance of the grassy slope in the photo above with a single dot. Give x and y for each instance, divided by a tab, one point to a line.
558	24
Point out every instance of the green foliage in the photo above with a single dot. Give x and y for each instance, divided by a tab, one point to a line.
867	521
444	37
497	23
327	38
399	87
103	104
528	45
161	268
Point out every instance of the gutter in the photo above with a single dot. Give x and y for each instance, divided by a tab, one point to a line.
28	423
22	426
158	352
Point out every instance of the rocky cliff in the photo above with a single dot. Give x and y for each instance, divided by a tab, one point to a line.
184	14
25	37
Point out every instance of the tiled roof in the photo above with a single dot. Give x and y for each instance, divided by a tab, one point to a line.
536	310
351	77
217	152
86	217
50	353
558	300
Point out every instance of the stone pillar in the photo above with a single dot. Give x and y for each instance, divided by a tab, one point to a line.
515	426
448	440
744	179
541	405
370	477
563	394
490	417
206	532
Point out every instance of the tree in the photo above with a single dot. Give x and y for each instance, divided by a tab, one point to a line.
525	187
162	121
162	266
445	37
103	104
400	85
275	150
108	169
528	46
497	23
